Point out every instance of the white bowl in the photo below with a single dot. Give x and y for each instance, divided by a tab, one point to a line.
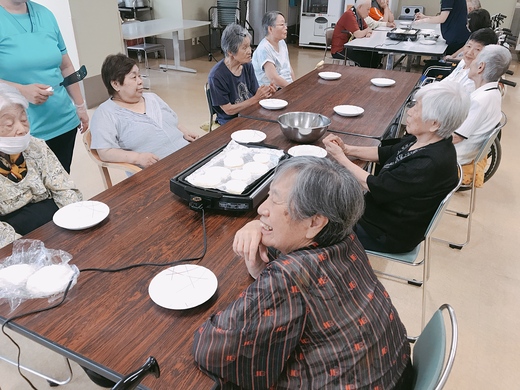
347	110
307	150
427	42
273	104
248	136
329	75
382	82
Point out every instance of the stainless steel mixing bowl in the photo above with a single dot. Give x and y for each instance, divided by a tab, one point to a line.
303	127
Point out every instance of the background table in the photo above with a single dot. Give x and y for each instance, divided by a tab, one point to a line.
311	93
150	28
378	42
108	323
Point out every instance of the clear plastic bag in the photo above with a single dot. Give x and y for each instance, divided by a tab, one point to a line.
33	271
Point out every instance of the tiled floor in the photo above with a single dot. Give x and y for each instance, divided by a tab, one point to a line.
482	281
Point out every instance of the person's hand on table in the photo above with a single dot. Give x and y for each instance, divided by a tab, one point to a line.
334	146
146	159
265	91
248	244
36	93
368	32
191	137
390	24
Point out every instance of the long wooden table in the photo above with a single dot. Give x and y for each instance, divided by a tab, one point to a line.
313	94
108	323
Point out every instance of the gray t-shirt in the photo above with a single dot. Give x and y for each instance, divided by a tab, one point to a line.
155	132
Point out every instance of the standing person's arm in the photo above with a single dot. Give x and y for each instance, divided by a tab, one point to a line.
67	68
437	19
34	93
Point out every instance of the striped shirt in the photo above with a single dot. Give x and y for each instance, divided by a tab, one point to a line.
315	318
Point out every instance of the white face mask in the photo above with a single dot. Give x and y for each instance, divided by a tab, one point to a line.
14	145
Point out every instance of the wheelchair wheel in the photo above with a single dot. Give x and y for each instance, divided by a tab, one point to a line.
494	156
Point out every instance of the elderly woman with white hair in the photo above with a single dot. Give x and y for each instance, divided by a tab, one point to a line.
232	82
416	172
316	316
33	183
485	111
271	57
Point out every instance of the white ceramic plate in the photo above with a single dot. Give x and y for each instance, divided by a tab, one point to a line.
183	286
273	104
382	82
307	150
81	215
427	42
329	75
248	136
347	110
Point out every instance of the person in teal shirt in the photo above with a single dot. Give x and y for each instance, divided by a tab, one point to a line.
34	59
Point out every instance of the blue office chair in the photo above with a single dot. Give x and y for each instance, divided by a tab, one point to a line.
410	258
429	351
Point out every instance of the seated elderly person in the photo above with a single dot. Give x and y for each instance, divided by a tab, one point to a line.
271	57
476	42
473	5
33	182
316	316
232	82
132	126
380	11
352	25
417	171
485	111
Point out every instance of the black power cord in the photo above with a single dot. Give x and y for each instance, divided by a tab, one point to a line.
198	207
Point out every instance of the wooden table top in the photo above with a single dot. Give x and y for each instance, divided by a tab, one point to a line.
108	322
313	94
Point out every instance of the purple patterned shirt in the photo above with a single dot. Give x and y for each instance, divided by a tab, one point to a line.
314	318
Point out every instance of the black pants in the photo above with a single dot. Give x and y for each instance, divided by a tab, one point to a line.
407	379
63	147
366	59
31	216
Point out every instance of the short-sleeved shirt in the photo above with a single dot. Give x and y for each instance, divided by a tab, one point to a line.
484	114
347	22
460	75
226	88
405	194
31	51
315	318
454	29
264	53
156	132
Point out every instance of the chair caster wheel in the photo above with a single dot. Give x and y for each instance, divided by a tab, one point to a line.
52	384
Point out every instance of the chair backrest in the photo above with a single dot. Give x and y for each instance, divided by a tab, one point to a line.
212	111
443	205
429	351
228	12
328	40
103	165
484	149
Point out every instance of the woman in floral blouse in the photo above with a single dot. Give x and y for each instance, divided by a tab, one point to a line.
33	184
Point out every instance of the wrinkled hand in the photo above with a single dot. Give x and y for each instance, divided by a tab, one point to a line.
248	244
191	137
265	91
390	24
146	159
334	145
36	93
81	110
368	32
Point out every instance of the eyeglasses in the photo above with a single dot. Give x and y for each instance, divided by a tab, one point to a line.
411	103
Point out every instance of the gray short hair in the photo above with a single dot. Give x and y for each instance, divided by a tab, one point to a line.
497	59
326	188
232	37
10	96
269	20
363	2
475	4
445	103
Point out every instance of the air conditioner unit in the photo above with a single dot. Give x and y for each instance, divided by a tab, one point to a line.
408	12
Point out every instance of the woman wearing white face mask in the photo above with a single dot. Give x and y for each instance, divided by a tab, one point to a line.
33	184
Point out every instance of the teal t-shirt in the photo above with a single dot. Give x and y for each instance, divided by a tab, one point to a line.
31	50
